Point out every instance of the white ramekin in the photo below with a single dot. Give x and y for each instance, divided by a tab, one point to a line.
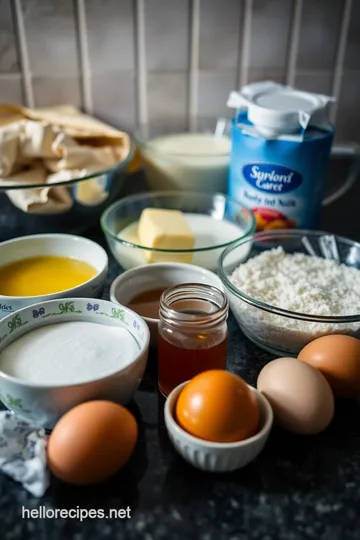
217	457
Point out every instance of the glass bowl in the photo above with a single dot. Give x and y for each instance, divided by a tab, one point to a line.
77	219
216	220
272	328
193	158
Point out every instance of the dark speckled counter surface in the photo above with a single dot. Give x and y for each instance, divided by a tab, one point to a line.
298	488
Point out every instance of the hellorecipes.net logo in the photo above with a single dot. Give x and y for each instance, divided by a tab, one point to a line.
44	512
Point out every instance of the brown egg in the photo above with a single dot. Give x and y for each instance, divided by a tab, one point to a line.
91	442
218	406
300	396
338	359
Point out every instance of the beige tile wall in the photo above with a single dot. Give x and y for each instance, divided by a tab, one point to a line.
129	61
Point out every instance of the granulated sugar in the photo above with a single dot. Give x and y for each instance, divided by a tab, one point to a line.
69	353
299	283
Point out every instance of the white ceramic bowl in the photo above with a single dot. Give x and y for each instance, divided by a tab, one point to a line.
217	457
153	276
65	245
44	404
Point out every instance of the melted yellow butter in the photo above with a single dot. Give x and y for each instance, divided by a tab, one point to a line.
43	275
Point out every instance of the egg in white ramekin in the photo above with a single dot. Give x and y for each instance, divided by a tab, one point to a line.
213	456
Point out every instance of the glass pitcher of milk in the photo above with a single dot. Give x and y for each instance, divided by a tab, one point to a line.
186	160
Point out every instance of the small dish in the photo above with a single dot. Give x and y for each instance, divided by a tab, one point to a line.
216	222
66	245
145	278
44	404
280	331
217	457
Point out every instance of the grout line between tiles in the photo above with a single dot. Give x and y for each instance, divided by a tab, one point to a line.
340	56
140	58
193	78
23	53
294	38
83	54
245	42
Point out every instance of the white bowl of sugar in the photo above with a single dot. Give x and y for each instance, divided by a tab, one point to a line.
57	354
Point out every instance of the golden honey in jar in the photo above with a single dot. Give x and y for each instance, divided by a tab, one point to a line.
192	333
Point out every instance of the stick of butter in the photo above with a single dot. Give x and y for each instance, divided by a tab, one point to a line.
165	229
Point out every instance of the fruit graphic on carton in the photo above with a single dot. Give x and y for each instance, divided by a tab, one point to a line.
269	219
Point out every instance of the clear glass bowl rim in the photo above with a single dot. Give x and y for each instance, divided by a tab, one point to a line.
272	235
134	198
119	165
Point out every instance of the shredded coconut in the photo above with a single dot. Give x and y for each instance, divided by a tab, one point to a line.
299	283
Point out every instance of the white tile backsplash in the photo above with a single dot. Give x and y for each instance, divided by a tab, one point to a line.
167	35
62	90
167	96
315	82
266	74
219	34
348	118
270	34
11	89
352	53
113	97
319	33
110	35
51	37
110	60
214	89
8	52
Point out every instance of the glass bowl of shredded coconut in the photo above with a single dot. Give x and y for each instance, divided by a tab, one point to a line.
283	298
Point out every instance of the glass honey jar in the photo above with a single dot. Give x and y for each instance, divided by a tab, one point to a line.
192	333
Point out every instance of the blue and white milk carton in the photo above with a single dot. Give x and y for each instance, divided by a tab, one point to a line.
281	143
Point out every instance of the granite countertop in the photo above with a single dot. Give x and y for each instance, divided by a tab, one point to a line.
298	488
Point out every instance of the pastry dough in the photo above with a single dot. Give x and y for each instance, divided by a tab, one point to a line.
45	146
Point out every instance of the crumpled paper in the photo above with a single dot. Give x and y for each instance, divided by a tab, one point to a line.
23	453
47	146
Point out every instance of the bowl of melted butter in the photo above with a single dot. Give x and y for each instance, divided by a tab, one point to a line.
49	266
